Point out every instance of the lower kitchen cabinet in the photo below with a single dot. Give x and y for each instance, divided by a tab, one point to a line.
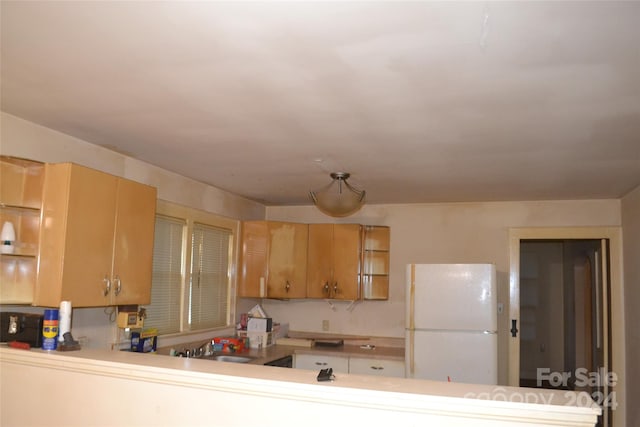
316	362
350	365
378	367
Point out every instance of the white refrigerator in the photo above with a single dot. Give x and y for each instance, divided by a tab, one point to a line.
451	323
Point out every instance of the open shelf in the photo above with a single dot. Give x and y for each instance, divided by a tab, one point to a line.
20	204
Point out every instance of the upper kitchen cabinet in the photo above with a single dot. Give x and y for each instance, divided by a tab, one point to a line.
274	260
333	261
375	271
96	239
21	183
253	263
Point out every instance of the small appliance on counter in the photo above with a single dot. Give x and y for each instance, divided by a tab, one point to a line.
21	327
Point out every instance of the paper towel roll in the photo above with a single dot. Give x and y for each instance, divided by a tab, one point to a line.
65	319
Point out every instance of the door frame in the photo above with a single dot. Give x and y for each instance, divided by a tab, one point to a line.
617	326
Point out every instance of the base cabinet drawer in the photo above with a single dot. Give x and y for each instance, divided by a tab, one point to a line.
379	367
316	362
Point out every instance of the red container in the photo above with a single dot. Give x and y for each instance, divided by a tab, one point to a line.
230	344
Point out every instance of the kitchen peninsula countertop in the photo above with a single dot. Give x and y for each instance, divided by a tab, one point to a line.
148	389
277	351
352	348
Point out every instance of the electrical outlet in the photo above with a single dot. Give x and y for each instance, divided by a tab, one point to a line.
325	325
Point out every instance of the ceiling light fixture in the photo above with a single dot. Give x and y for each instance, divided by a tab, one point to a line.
338	198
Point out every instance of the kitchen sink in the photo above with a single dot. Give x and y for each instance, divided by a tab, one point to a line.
231	358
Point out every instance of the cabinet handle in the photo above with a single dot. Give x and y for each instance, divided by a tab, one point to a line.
335	289
107	285
326	288
287	286
321	363
118	283
377	368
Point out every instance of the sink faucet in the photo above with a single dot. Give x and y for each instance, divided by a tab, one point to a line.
205	349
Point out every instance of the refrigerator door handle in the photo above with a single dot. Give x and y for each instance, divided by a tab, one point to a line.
514	328
412	360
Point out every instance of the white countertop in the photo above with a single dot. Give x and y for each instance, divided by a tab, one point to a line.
253	371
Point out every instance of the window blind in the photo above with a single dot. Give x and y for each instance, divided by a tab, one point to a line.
164	312
209	287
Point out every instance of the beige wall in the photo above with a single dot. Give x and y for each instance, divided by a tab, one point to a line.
436	233
21	138
631	238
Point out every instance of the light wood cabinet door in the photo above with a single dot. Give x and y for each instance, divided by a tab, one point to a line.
76	236
274	254
347	240
133	243
253	262
333	265
287	268
96	239
320	261
377	367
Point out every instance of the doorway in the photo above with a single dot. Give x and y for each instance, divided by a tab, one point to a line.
562	304
566	313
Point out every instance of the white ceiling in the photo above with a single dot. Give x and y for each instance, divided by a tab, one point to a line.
419	101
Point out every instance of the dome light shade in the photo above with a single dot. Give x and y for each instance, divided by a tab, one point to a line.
338	198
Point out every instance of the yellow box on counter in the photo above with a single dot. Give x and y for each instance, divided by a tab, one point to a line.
258	339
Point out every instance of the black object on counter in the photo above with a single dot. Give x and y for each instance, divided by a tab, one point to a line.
328	343
22	327
326	374
283	362
69	344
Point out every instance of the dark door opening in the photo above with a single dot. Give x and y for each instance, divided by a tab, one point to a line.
564	315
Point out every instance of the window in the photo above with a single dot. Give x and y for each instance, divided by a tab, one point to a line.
193	261
209	290
167	278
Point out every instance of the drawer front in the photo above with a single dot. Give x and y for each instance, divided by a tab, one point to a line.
378	367
316	362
